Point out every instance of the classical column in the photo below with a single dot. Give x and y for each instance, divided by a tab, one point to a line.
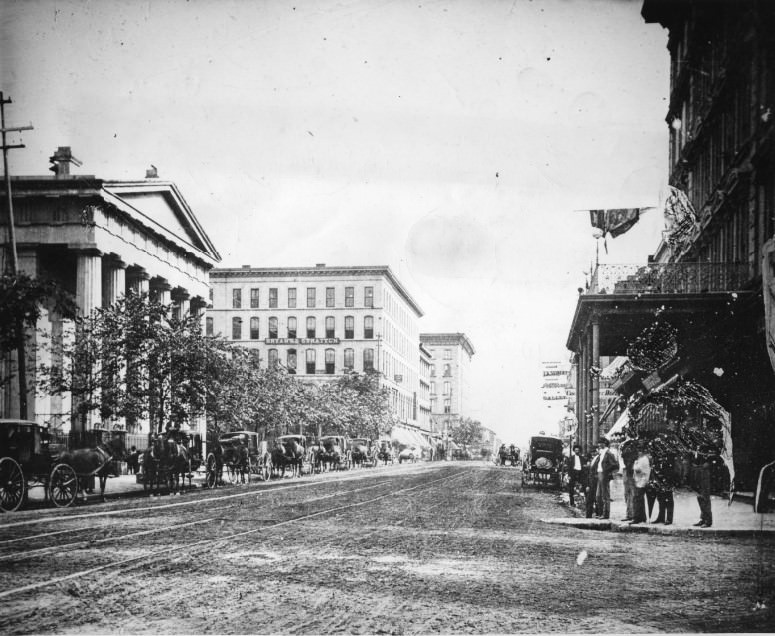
180	299
114	280
596	380
88	284
137	280
160	290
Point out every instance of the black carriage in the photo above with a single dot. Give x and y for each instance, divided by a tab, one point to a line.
29	459
543	465
334	452
161	472
385	452
508	456
242	454
363	451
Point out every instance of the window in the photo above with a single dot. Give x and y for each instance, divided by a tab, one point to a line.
447	388
236	299
273	327
448	354
311	361
349	358
291	298
433	370
311	327
368	326
447	370
368	359
310	296
254	328
254	298
211	295
209	326
291	361
292	327
349	296
273	297
349	327
330	358
368	296
236	328
273	358
330	297
330	331
447	406
433	388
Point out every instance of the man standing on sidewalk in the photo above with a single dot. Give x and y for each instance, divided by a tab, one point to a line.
605	465
575	472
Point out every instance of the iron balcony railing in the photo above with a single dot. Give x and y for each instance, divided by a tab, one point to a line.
668	278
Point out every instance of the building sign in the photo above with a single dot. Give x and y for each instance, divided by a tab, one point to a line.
301	341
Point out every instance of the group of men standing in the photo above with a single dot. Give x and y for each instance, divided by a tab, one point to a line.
595	478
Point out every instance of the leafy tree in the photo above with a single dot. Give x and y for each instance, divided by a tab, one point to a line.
466	432
22	299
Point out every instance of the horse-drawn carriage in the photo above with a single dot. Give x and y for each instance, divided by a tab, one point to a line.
363	451
543	465
508	456
291	453
385	452
28	459
333	453
242	454
169	460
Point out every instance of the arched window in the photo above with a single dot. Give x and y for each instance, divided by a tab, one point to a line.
236	328
311	361
330	359
291	363
368	326
273	357
349	358
349	327
368	359
273	327
292	327
311	327
254	328
330	327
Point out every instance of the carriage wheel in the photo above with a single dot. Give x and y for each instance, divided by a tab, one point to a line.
63	486
13	486
211	477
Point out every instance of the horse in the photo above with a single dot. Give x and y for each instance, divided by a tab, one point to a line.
360	452
287	454
99	461
385	454
154	465
177	465
236	458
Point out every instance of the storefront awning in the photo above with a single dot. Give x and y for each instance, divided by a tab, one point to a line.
618	428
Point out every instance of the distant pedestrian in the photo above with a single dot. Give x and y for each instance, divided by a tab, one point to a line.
575	467
703	464
590	485
605	466
133	461
629	453
641	474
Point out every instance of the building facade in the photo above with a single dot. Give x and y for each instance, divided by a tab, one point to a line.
709	284
321	322
99	239
451	355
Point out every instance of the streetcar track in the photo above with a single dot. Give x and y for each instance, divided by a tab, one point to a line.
89	542
140	560
188	502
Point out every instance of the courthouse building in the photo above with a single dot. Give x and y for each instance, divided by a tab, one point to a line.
99	238
321	322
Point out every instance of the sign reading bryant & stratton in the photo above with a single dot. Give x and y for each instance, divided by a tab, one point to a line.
301	341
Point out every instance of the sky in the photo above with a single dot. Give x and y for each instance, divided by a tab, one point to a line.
458	142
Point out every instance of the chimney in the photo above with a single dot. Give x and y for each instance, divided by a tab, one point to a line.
246	267
152	172
320	264
61	160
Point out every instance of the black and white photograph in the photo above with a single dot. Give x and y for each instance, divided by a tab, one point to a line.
387	317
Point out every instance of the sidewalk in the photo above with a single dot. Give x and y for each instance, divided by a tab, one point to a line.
737	518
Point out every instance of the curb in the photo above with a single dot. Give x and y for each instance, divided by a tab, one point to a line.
613	526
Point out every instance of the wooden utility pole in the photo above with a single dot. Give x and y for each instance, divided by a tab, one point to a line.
20	348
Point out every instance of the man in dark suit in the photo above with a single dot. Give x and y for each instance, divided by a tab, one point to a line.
590	485
605	466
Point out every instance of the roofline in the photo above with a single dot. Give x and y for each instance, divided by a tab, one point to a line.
322	271
449	338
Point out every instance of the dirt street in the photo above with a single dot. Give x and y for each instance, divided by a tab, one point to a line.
424	548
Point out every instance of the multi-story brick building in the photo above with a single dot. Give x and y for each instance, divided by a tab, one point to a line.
320	322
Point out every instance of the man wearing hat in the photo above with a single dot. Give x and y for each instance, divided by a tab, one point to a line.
605	466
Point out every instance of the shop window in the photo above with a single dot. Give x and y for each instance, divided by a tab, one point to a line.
273	357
